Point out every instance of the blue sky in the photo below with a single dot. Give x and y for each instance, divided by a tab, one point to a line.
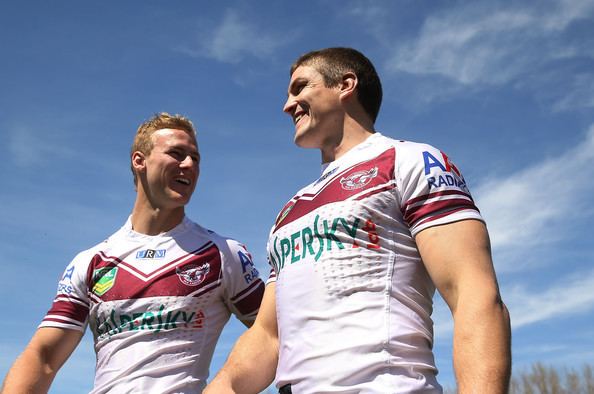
505	88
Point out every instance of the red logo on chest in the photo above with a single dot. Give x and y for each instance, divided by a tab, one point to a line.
359	179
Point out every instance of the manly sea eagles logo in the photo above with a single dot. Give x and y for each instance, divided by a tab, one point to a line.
192	274
358	179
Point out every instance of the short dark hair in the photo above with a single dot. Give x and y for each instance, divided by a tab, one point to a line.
333	63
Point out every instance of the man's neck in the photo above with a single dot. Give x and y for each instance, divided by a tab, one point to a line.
354	133
154	221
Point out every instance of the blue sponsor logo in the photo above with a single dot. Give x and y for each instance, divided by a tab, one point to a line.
446	175
65	288
68	273
151	254
250	273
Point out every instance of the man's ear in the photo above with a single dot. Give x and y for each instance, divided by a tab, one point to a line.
138	161
348	85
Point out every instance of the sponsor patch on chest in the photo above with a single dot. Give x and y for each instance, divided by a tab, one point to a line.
104	279
359	179
193	274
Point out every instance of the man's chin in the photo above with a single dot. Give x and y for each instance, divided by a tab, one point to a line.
302	140
306	145
180	199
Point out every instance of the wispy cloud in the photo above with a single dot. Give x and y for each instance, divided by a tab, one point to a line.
525	209
28	147
487	44
581	94
574	294
236	38
571	295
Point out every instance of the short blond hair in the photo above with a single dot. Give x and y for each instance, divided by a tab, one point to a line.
143	141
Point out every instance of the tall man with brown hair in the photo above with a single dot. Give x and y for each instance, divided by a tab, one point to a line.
357	256
157	293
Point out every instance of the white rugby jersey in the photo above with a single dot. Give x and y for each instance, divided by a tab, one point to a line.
156	305
353	298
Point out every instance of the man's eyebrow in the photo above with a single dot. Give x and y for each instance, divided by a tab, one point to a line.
182	147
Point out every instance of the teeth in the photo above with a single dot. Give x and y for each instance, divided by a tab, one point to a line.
183	180
297	118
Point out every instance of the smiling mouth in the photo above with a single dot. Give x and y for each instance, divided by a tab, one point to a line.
298	117
183	181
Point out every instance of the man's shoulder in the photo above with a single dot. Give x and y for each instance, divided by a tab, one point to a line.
223	242
401	144
410	154
196	229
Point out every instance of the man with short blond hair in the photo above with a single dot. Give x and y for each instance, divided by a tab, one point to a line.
157	293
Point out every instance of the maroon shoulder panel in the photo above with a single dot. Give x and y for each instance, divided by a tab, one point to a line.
354	182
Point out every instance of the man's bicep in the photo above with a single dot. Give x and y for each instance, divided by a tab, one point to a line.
458	258
54	345
266	319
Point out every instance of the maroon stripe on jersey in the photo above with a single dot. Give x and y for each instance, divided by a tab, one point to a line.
441	207
272	273
71	297
192	274
426	197
435	217
347	184
113	259
251	302
62	322
68	309
246	290
204	290
372	192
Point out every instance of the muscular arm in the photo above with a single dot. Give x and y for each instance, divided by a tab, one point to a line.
251	366
35	369
458	259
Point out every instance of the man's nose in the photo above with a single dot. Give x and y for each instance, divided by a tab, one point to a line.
289	106
188	161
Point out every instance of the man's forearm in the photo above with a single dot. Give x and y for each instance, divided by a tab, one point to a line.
28	374
482	349
251	366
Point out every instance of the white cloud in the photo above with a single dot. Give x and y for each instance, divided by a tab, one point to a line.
574	294
490	44
29	148
529	207
236	38
571	295
526	210
580	96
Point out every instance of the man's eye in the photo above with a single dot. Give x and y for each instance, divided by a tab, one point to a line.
176	154
297	88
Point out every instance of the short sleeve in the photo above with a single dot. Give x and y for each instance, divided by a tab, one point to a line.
243	286
432	189
70	308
